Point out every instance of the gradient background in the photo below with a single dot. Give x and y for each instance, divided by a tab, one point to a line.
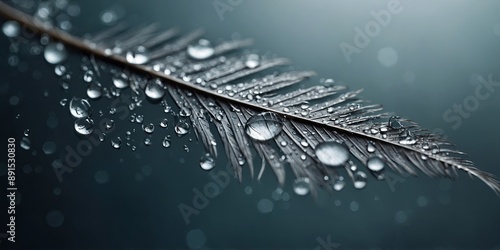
441	47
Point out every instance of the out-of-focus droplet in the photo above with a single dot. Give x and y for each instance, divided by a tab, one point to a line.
55	53
200	51
302	186
11	29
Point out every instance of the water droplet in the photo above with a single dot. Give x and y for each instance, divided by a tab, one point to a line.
394	122
79	108
252	61
207	162
360	180
375	164
154	90
332	153
88	76
407	138
121	81
84	126
422	201
354	206
304	143
387	56
370	147
109	124
63	102
283	143
196	239
185	112
26	132
94	91
200	51
11	29
116	142
60	70
302	186
139	118
166	142
164	123
264	126
148	142
181	128
338	183
138	55
55	53
101	177
150	128
265	206
25	143
49	147
401	217
54	218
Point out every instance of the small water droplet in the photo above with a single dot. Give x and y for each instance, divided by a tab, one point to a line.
394	122
60	70
338	183
252	61
181	128
94	91
148	142
150	128
375	164
63	102
360	180
154	90
11	29
185	112
84	126
55	53
88	76
200	51
264	126
207	162
304	143
332	153
138	55
109	124
164	123
302	186
79	108
26	132
25	143
116	142
370	147
49	147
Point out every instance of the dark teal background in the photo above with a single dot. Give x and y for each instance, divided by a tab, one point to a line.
443	43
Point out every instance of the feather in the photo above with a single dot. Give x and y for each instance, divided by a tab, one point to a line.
319	132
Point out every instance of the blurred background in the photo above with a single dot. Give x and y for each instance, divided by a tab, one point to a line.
421	61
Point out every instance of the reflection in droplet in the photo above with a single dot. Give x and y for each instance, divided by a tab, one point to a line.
121	81
84	126
360	180
207	162
332	153
264	126
200	51
302	186
94	91
55	53
149	128
181	128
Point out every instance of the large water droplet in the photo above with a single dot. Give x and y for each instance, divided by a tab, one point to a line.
154	90
55	53
360	180
207	162
201	51
332	153
11	28
79	107
138	55
94	91
121	81
264	126
302	186
375	164
84	126
149	128
181	128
